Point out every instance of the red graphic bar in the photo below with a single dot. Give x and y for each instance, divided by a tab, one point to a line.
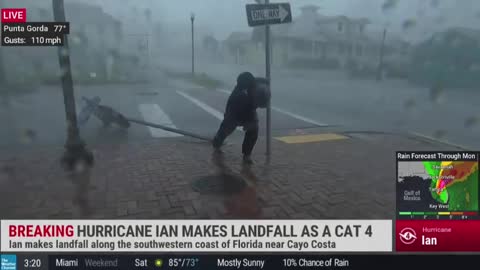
438	235
14	15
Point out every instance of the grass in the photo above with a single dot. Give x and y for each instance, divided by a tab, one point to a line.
201	79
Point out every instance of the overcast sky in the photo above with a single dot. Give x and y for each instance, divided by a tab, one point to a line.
225	16
221	17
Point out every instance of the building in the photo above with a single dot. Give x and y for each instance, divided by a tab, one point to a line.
239	48
313	39
211	47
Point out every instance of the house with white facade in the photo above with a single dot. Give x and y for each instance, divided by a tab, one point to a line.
313	37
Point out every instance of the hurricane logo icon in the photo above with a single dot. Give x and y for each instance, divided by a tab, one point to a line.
408	236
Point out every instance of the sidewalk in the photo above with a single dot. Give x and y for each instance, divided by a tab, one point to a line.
180	178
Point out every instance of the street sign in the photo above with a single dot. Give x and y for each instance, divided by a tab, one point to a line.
263	14
267	14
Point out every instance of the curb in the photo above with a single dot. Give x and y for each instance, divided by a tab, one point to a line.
432	139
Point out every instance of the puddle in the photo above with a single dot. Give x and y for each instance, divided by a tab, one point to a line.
222	184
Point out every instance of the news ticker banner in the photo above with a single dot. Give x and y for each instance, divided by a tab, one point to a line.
16	31
196	235
229	261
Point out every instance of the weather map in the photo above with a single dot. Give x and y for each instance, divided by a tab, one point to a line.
434	186
454	183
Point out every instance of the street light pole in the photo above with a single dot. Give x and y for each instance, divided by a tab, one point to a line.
382	52
76	151
192	19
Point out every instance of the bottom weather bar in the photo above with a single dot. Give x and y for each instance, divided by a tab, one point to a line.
219	261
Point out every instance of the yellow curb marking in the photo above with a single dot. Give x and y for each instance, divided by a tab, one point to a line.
311	138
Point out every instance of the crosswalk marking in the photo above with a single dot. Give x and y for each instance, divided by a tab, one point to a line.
154	114
204	106
293	115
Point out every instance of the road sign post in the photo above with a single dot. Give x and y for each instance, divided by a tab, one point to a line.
76	152
267	14
267	75
192	19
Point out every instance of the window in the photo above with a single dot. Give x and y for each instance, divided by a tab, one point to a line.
361	28
340	27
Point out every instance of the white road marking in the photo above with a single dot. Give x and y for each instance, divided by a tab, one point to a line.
217	114
224	91
153	113
431	138
293	115
202	105
299	117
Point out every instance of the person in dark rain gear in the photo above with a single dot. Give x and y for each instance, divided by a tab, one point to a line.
249	94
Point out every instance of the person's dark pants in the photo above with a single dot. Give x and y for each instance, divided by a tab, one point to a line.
228	126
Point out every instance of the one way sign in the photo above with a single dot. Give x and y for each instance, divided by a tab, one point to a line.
262	14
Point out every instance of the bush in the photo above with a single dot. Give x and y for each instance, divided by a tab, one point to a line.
397	71
202	79
357	70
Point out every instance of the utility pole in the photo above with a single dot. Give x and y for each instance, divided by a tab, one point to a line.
75	149
382	52
192	19
267	76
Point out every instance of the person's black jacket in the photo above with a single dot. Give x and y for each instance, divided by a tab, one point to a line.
241	107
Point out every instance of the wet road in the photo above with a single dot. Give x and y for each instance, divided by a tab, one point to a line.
39	118
301	99
449	115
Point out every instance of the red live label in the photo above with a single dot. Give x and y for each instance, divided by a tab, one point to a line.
438	235
14	15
